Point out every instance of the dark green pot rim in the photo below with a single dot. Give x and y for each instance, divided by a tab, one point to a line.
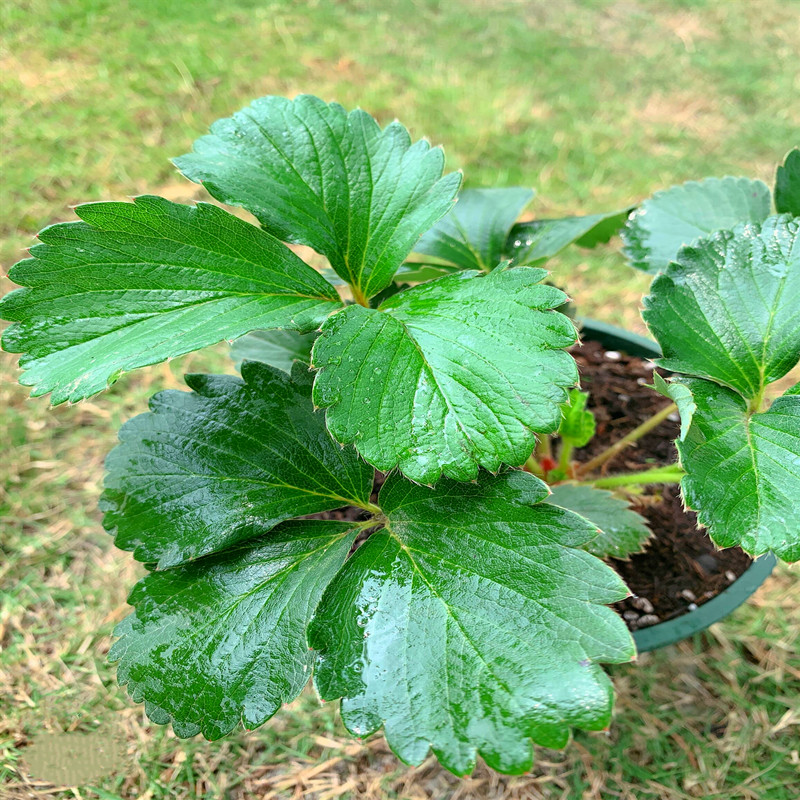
674	630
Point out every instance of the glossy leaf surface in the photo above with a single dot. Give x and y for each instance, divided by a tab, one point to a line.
743	470
536	241
787	185
137	283
728	308
448	375
578	424
419	272
471	624
473	234
223	463
675	217
623	532
681	396
314	174
279	349
224	639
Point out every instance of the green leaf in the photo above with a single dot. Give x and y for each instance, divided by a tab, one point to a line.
416	272
578	424
536	241
473	234
206	469
787	185
391	290
448	375
471	624
727	308
224	639
313	174
137	283
743	470
279	349
681	396
623	532
661	225
793	390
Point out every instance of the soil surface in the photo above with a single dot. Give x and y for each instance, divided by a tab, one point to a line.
680	568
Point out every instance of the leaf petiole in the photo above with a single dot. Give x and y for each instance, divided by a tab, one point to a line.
756	404
359	296
669	474
544	448
533	466
565	456
371	507
633	436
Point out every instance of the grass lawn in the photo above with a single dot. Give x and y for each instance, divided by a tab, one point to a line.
593	103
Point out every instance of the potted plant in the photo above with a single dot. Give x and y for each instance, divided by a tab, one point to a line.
461	600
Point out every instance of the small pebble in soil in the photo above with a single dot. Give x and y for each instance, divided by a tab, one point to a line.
731	576
707	562
691	607
688	594
648	619
642	604
613	355
674	416
630	615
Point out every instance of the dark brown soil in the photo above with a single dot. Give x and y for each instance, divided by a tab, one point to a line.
620	400
681	568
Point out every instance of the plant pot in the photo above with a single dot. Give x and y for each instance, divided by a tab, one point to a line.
674	630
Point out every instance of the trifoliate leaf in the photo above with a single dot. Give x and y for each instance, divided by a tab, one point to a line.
277	348
224	639
228	461
313	174
675	217
137	283
743	470
681	396
448	375
473	234
727	309
536	241
471	624
578	424
787	185
623	532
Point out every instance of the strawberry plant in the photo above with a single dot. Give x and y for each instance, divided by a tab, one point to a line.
463	607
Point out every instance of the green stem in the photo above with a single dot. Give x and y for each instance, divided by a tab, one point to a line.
565	456
532	466
671	474
544	449
625	441
359	296
371	507
756	403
